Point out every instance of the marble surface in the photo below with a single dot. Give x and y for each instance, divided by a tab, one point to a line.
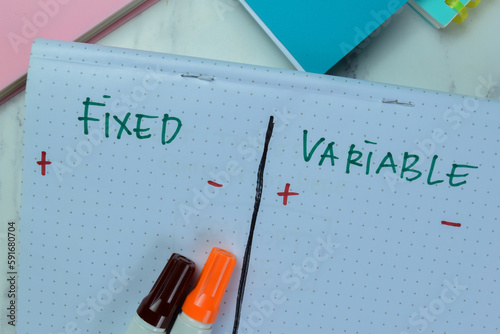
463	59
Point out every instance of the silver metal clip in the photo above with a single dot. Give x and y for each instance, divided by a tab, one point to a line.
201	77
408	104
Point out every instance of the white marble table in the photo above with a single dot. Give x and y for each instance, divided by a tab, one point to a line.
463	59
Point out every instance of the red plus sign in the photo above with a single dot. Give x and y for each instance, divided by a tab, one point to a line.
43	162
287	193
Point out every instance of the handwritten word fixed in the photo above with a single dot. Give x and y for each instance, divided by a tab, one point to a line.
140	130
407	170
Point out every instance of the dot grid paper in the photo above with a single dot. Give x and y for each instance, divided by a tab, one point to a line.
347	238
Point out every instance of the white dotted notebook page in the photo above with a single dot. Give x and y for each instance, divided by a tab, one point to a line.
352	207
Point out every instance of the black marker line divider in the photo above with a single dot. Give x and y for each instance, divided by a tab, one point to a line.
248	249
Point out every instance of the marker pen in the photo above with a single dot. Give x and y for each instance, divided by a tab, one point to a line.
155	313
201	307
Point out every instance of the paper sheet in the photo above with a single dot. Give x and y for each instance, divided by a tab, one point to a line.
375	217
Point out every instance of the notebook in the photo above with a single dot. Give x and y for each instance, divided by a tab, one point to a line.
377	205
22	21
316	34
440	13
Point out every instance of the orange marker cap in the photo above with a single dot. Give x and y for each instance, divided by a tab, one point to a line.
202	304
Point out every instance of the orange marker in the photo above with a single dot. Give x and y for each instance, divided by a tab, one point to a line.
201	307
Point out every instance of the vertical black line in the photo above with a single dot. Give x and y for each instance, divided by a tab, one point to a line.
248	249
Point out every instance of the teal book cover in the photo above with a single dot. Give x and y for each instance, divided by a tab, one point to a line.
316	34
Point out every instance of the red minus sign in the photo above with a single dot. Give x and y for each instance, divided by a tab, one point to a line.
451	224
212	183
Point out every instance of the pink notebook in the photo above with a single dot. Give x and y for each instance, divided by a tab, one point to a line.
21	21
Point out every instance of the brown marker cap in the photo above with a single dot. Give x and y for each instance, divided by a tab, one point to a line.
159	306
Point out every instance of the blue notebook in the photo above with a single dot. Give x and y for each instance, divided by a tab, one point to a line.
316	34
